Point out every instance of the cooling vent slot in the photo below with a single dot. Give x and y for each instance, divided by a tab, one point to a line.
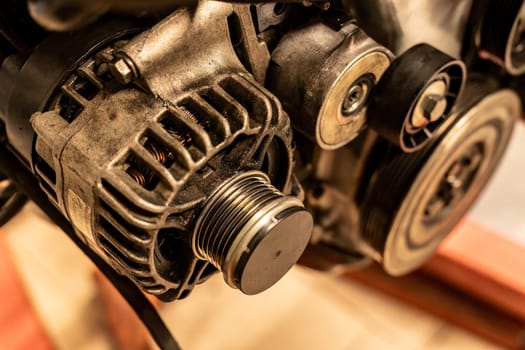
141	172
48	176
249	97
187	137
83	85
224	104
125	201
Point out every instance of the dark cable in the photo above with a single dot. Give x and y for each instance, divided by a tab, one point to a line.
27	184
9	207
11	201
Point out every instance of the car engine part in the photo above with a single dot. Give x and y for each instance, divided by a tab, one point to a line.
328	94
428	194
427	83
500	35
173	140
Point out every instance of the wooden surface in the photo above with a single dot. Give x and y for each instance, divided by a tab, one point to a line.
475	281
304	311
20	328
484	265
447	303
127	331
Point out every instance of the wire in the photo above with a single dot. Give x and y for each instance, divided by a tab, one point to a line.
11	201
11	207
28	185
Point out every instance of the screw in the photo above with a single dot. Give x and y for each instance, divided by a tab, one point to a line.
434	106
431	105
123	71
355	98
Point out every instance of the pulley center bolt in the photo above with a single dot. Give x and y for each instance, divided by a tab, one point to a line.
431	105
252	232
355	98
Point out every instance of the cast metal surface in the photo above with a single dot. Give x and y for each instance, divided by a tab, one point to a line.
183	138
324	78
141	187
400	24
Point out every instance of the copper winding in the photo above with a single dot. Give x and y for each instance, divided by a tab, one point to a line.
138	176
185	140
187	113
193	117
160	154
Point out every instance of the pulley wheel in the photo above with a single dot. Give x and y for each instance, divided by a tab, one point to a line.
501	37
415	96
415	200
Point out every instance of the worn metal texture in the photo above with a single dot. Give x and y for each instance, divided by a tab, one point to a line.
429	193
313	70
132	167
196	138
398	24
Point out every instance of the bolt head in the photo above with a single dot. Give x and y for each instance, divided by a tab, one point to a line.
355	98
431	105
122	71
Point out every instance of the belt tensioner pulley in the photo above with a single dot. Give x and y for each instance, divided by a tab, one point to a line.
415	96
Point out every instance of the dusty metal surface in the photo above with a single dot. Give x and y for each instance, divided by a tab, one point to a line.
135	121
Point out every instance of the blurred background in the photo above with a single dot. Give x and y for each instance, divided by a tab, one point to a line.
470	296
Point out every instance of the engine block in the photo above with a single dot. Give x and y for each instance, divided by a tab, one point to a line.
184	139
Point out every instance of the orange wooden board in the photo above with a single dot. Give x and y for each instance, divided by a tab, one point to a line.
20	328
483	264
476	281
438	298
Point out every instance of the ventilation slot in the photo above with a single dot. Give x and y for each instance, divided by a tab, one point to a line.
120	241
147	281
46	171
255	106
123	261
48	177
139	233
85	88
142	173
234	116
185	136
197	114
124	201
165	155
69	108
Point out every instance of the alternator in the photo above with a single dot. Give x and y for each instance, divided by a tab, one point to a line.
134	165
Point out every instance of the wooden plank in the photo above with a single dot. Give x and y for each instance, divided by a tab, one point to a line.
484	265
446	302
20	327
127	330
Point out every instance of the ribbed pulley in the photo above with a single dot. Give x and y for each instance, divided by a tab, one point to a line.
251	231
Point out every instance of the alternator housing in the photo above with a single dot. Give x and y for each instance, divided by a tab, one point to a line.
131	169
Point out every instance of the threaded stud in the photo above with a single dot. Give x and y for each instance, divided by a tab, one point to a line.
252	232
